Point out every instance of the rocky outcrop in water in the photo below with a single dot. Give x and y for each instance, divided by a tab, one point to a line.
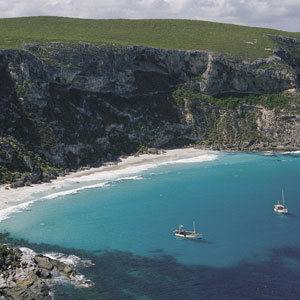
66	105
27	275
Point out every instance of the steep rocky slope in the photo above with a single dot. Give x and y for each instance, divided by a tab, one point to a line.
66	105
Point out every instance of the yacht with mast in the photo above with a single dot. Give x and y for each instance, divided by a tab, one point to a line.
279	208
188	234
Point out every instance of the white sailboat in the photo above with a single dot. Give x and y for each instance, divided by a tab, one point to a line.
188	234
280	207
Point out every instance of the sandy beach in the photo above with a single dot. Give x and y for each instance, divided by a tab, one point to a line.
13	200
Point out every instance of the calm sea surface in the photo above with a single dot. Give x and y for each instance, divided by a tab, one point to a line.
125	227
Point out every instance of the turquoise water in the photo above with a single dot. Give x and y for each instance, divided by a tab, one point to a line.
230	198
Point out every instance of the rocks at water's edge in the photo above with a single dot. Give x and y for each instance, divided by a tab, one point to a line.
26	275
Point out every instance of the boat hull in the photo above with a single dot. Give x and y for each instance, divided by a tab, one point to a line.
188	235
280	209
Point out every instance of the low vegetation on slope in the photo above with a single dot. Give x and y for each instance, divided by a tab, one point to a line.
17	162
240	123
279	101
242	41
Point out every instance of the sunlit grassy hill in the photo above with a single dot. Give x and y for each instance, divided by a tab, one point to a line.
247	42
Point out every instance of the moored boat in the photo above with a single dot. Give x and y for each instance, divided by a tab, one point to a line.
279	208
188	234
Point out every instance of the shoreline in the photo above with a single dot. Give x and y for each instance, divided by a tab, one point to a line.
17	199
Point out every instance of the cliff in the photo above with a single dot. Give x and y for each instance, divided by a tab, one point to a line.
66	105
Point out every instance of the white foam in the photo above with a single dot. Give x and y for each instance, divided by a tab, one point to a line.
61	194
79	280
6	212
197	159
93	186
75	191
130	178
291	152
69	259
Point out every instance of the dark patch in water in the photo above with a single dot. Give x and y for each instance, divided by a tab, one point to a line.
99	251
156	251
123	275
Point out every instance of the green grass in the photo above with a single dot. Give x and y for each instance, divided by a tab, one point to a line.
170	34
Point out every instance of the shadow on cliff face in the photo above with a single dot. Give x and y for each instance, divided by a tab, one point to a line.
123	275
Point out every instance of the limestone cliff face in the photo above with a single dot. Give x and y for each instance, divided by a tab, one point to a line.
77	103
245	127
224	76
138	70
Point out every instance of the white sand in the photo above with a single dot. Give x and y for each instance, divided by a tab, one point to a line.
13	200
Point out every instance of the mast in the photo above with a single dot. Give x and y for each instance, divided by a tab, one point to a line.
194	226
282	198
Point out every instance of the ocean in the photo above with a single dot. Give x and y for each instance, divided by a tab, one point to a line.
123	221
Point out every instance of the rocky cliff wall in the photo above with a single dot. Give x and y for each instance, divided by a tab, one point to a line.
68	105
138	70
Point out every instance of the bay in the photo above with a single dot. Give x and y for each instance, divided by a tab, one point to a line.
130	221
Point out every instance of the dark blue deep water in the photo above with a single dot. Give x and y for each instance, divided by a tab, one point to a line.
248	250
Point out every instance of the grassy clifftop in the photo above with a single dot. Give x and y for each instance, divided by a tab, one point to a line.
242	41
